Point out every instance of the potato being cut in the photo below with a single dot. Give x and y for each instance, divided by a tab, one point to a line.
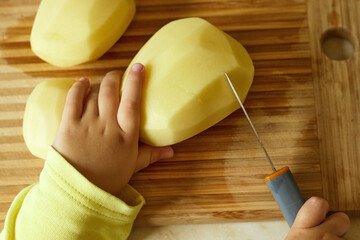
70	32
43	113
185	89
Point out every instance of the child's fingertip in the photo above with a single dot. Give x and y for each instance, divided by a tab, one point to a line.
137	67
167	153
318	202
83	79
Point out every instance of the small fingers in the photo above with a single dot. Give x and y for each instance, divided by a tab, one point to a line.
337	223
312	213
109	95
91	105
148	155
74	105
129	109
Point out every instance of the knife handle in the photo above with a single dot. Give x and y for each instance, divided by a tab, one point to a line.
286	193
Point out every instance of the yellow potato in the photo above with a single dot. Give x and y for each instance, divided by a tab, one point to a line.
70	32
185	89
43	114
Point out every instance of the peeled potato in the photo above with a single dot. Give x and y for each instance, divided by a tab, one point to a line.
70	32
43	113
185	89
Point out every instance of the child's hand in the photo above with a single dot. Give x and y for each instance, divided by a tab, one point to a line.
99	134
311	222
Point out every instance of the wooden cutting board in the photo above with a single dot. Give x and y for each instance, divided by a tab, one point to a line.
304	105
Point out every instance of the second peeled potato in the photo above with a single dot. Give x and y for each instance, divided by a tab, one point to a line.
71	32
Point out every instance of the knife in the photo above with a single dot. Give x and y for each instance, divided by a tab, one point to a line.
281	182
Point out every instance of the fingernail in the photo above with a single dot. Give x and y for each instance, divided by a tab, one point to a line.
137	67
168	153
83	79
316	201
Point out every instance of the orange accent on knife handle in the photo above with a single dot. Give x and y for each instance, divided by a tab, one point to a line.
277	173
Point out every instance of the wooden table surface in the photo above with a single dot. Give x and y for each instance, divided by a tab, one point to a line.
304	105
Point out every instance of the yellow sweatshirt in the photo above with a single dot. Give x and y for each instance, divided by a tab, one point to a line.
65	205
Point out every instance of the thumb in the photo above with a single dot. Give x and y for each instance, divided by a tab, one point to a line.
312	213
148	155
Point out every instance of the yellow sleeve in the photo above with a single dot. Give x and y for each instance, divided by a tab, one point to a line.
65	205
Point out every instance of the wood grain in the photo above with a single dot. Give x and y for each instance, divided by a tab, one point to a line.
337	84
216	176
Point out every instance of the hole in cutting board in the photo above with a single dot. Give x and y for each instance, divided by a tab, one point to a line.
337	44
